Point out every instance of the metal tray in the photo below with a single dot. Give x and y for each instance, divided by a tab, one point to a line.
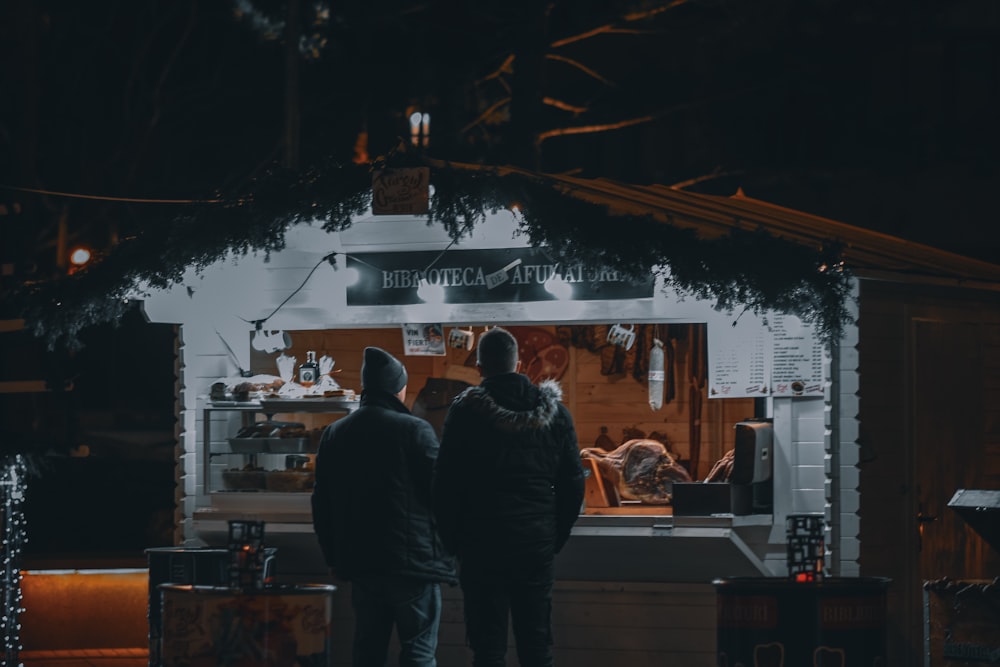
315	404
290	446
270	445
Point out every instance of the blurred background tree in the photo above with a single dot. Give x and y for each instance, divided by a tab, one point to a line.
876	113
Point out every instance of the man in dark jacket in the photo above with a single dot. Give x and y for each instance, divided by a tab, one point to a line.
372	515
508	489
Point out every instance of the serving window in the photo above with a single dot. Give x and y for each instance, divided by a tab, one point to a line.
635	440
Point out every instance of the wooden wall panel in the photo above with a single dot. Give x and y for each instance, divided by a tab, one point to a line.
594	625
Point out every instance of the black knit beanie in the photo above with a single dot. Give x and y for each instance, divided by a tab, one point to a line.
381	371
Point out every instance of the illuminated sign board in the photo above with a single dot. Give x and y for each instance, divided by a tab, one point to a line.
510	275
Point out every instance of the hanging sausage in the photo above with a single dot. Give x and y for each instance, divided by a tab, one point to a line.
670	391
656	375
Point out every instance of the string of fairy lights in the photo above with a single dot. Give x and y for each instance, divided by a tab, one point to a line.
426	291
13	486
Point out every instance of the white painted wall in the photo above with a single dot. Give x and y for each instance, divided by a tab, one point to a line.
841	461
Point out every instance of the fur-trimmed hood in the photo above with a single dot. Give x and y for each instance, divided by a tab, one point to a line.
508	480
540	403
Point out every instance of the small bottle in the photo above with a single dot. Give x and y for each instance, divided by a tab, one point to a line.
309	370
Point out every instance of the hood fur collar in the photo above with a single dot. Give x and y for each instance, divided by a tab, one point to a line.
542	415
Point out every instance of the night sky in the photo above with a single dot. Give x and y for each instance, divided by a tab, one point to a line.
876	113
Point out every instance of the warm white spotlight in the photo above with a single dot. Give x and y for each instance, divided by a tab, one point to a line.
557	286
429	293
352	276
420	128
80	256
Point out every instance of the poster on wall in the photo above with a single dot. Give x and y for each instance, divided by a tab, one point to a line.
798	358
422	340
739	360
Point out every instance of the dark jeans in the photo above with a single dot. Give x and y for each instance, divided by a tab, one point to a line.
521	590
412	606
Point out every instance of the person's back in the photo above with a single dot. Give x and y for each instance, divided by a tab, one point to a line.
369	474
372	516
510	455
508	488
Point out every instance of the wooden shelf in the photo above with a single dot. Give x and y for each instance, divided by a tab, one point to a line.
626	510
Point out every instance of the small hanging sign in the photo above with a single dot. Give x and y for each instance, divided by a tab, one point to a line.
421	340
401	191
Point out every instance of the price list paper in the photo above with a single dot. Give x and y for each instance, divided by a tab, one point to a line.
739	360
798	358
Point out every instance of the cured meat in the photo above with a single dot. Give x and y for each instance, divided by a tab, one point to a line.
542	356
531	340
671	393
722	471
656	375
612	360
549	364
639	469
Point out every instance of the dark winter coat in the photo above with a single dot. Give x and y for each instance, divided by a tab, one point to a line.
371	503
509	483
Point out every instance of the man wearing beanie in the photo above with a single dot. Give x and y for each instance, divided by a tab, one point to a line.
508	489
371	514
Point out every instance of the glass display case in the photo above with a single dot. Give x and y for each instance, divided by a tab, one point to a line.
266	445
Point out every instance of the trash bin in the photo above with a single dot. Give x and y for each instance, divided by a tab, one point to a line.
772	622
269	627
203	566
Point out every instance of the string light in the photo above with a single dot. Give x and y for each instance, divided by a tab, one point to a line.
80	256
430	293
13	485
130	200
352	276
557	286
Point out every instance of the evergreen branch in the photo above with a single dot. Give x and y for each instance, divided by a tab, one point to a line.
744	268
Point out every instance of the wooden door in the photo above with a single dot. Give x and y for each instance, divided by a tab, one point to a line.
947	422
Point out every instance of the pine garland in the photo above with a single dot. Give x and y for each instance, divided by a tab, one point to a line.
745	269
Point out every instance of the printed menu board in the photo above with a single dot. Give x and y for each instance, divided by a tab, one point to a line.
798	358
752	359
739	357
